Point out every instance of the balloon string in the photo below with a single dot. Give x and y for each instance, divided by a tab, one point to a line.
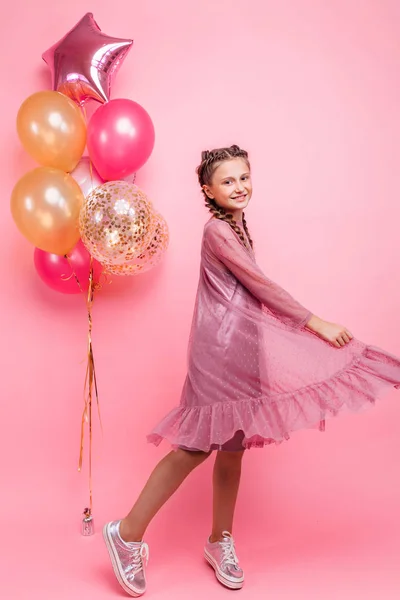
90	384
92	381
73	274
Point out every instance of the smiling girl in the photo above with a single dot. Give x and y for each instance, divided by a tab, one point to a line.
260	366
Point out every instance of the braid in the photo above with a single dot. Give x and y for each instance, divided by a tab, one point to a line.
221	214
209	162
247	230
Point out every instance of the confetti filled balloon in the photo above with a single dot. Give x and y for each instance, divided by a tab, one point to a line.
151	254
116	222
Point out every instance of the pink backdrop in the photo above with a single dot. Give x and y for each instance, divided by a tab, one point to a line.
311	89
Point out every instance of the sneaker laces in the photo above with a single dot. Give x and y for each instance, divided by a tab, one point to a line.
138	555
229	556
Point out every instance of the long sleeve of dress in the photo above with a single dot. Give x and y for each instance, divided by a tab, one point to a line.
230	251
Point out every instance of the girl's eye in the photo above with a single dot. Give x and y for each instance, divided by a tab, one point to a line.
244	177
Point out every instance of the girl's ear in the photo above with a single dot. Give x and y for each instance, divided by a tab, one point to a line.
208	194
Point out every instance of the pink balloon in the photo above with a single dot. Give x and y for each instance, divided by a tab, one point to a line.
55	271
120	138
85	61
86	176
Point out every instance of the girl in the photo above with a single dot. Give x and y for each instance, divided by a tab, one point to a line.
260	365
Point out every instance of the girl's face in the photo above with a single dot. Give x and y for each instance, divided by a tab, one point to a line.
231	186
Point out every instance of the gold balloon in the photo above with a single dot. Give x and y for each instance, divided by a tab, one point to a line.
115	222
45	205
151	254
52	130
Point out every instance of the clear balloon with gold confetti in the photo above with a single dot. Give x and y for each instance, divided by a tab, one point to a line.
117	222
151	254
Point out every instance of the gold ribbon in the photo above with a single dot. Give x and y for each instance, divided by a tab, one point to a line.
90	385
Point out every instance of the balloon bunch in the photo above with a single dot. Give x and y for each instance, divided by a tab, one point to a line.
83	213
69	200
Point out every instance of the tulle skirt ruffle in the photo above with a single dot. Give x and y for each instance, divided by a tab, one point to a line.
271	419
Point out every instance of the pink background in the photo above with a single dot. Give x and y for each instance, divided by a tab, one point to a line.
311	89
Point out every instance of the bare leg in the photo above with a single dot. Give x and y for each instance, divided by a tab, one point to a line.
165	479
226	479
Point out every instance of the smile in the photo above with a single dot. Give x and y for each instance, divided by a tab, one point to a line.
242	197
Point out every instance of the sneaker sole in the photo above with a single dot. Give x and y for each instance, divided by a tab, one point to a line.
237	585
116	565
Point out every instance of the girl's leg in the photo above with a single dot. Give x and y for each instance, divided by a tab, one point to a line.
167	476
226	479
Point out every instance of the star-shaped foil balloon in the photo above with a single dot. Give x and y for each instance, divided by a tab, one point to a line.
84	62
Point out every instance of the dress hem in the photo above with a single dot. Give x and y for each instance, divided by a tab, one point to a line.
271	420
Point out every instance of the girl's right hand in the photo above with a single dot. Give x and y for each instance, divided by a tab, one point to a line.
336	334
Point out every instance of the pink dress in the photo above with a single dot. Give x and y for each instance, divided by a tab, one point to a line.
255	373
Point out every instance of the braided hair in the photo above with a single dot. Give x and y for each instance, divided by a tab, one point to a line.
210	160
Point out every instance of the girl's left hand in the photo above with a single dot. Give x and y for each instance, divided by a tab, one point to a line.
336	334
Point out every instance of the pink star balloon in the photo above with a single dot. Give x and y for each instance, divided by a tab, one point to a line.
85	60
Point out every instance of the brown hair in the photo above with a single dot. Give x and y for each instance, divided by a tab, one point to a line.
210	160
